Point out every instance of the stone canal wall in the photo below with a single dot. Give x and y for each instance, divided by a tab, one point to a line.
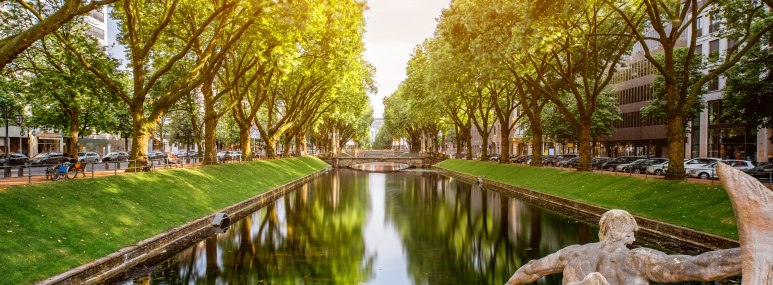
666	235
166	244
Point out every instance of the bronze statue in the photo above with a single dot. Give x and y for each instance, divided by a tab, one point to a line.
611	262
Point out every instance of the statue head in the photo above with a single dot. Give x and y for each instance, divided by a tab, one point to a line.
617	226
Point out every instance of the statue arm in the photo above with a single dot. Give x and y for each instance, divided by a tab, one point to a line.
535	269
712	265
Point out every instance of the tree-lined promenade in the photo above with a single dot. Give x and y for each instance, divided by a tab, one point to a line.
195	72
548	67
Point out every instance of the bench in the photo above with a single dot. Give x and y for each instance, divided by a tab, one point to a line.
78	167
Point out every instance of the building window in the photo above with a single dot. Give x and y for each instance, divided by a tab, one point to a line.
714	83
699	23
714	24
714	50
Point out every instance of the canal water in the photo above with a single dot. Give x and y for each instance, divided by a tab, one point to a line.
355	227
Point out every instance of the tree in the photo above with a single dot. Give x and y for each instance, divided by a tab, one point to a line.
749	91
61	93
583	49
659	27
36	20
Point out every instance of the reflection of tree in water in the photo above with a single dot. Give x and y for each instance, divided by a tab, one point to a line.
313	236
454	233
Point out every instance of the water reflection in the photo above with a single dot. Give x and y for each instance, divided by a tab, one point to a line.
377	228
380	166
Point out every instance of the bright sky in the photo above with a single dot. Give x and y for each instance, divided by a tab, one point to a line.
394	28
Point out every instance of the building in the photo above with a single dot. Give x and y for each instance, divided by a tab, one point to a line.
374	127
516	143
708	135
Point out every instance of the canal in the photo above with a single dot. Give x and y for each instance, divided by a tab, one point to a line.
355	227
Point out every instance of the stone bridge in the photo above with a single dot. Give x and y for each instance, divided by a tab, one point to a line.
414	162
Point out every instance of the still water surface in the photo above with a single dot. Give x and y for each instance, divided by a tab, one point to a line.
353	227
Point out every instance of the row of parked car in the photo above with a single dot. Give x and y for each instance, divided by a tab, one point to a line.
704	168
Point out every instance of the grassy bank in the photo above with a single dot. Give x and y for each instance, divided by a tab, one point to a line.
697	206
49	228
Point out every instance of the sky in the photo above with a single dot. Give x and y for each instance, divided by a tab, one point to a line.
393	29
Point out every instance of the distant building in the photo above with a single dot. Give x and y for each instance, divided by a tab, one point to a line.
374	127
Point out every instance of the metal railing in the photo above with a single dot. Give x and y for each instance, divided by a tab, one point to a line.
28	173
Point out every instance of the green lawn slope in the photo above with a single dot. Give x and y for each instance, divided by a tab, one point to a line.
697	206
49	228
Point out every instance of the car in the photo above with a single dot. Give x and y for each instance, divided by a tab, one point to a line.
658	168
739	164
235	154
156	155
763	172
494	157
708	171
180	154
597	162
611	164
49	158
16	159
116	156
88	157
640	166
193	154
625	167
699	162
555	160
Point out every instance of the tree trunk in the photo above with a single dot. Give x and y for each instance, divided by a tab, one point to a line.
675	133
300	144
140	136
245	143
484	147
270	147
74	133
504	143
585	148
458	143
210	139
536	140
468	137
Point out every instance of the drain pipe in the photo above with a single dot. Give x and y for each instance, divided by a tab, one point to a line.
220	223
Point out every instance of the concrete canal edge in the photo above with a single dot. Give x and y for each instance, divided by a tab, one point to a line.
664	234
163	245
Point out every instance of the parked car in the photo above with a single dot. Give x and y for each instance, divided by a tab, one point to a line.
699	162
658	168
520	159
613	163
597	162
221	155
156	155
572	162
739	164
555	160
640	166
116	156
494	157
708	171
193	154
763	172
49	158
15	159
88	157
181	154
